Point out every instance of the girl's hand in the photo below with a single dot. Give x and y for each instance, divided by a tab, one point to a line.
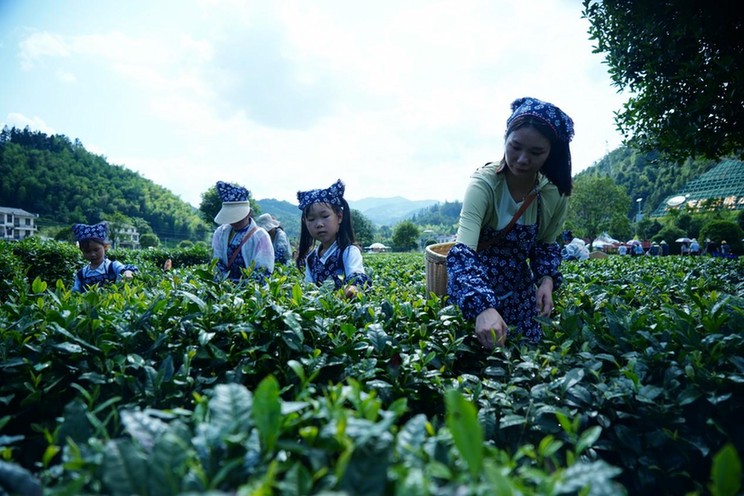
490	329
351	291
127	274
545	297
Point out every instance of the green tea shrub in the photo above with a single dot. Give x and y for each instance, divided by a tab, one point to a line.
11	269
47	259
197	254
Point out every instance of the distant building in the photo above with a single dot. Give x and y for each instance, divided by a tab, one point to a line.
127	236
17	224
721	188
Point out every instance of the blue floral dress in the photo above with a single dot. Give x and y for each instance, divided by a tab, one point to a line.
108	272
503	276
343	268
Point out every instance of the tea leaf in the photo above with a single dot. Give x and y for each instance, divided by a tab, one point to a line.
467	433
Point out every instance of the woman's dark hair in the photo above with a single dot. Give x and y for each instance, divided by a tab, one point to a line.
344	238
557	167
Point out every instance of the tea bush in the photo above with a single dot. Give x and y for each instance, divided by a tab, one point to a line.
176	384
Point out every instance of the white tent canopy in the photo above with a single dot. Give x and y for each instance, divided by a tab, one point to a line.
377	247
603	240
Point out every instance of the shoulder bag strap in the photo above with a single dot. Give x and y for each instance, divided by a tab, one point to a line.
237	250
502	234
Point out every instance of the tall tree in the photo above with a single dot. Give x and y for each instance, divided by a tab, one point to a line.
364	230
683	62
406	235
594	203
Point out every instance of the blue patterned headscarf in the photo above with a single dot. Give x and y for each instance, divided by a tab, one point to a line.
559	122
332	195
231	193
97	232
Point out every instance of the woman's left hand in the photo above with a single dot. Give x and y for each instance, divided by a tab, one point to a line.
545	297
351	291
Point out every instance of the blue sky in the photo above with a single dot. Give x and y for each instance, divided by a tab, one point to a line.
395	98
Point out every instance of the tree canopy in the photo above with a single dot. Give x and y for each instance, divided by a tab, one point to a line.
596	205
406	235
364	230
683	63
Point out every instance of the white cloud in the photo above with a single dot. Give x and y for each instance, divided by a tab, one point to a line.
40	45
66	76
35	123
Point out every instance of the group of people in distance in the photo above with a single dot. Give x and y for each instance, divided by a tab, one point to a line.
502	269
240	242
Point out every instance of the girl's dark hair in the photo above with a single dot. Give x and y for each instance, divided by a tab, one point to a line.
344	238
557	167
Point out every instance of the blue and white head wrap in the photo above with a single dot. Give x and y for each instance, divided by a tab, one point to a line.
559	122
231	193
97	232
332	195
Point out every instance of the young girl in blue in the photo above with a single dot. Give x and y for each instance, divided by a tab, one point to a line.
93	242
326	218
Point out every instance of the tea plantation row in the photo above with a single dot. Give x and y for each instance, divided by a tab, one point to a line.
176	384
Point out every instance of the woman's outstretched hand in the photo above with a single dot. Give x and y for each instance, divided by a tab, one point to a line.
545	297
490	329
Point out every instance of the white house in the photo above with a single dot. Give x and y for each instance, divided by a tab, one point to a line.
127	236
17	224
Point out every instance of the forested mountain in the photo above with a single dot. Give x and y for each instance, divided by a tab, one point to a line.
646	175
445	215
287	213
63	183
389	211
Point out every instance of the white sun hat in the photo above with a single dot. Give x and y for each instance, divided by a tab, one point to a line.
235	204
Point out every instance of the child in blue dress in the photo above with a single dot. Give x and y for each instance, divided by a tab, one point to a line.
326	218
504	266
239	243
93	242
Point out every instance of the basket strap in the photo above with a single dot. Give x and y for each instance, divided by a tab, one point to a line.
502	234
237	250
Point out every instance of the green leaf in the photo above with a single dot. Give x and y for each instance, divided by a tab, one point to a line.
195	299
725	474
412	436
596	475
297	369
18	480
38	286
142	427
267	412
124	468
297	294
588	438
511	420
462	421
378	337
168	463
230	407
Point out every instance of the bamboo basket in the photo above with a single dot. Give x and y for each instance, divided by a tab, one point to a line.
436	268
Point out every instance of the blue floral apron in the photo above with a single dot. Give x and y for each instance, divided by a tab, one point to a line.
500	277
